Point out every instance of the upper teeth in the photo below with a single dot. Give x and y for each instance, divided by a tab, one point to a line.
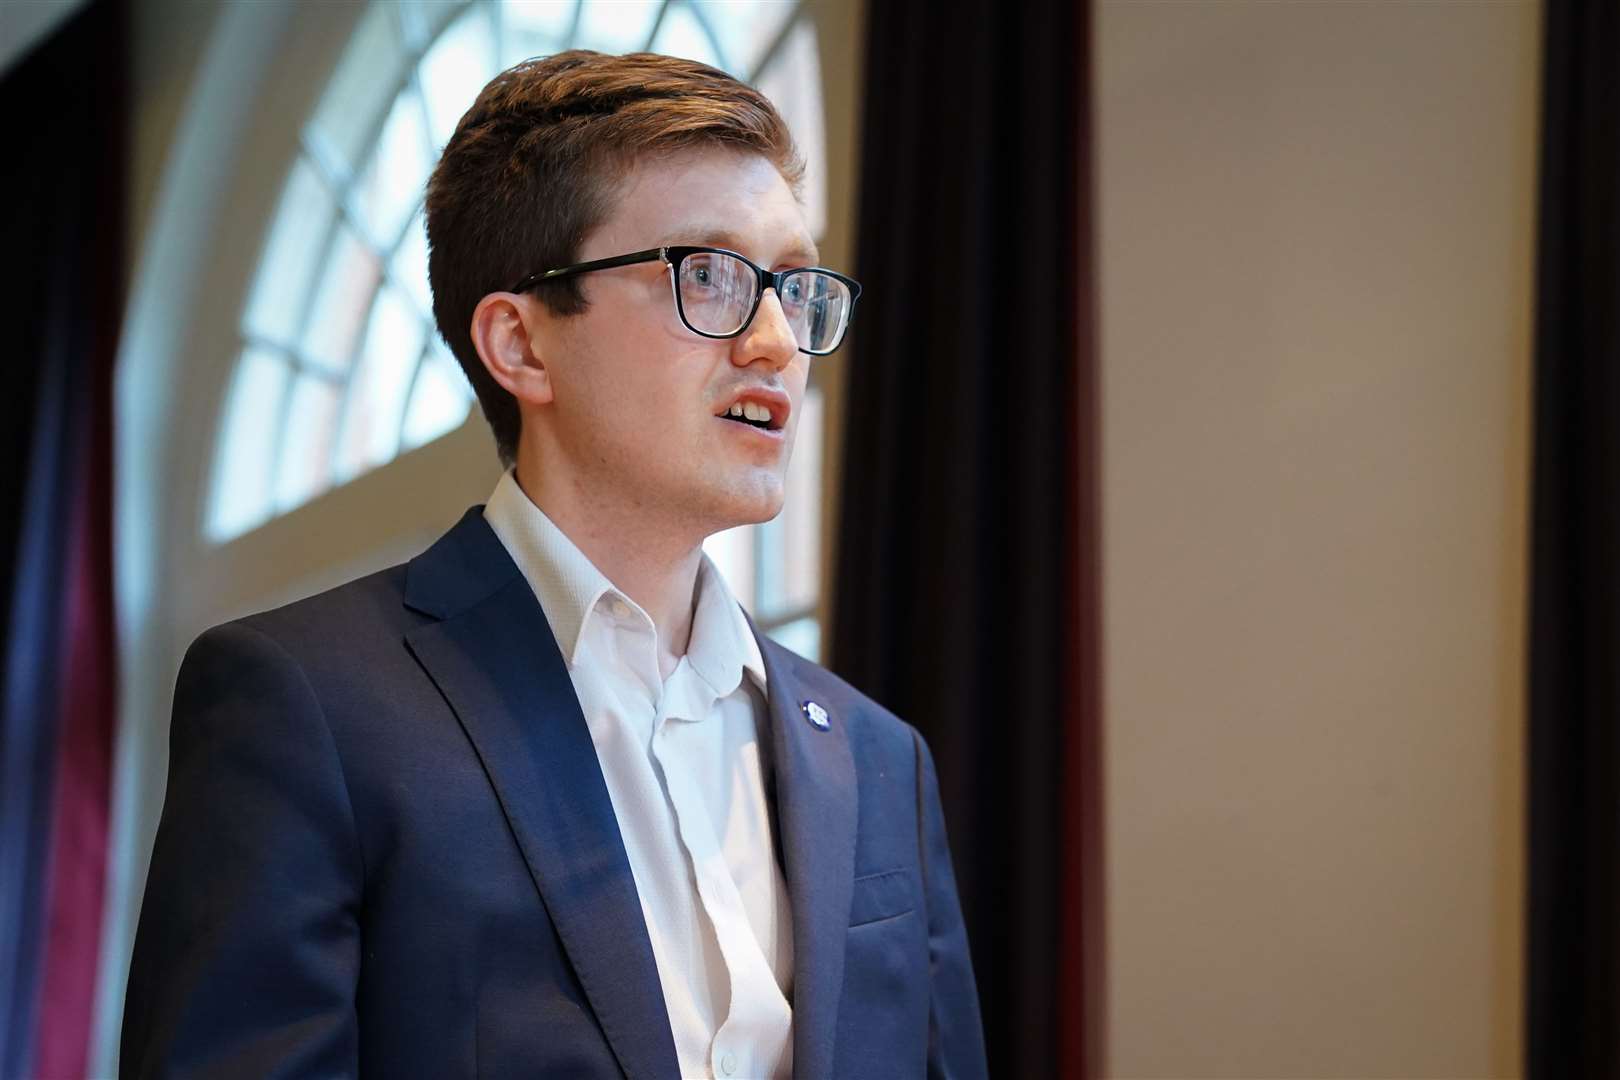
750	411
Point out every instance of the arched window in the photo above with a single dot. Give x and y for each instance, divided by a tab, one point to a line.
341	368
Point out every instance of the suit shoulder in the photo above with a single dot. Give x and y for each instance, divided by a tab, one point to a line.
336	621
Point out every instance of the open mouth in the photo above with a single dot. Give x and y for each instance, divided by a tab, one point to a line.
753	414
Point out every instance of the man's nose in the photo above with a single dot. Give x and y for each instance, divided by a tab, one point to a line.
768	337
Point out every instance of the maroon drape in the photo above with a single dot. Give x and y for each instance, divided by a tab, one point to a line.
62	194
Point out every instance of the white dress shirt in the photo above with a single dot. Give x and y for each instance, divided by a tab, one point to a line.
682	761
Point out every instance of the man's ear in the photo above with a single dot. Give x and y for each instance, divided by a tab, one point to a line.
509	330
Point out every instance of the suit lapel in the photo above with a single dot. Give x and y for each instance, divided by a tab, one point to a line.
493	656
816	815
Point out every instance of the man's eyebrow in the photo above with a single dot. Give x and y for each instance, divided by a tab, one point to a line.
801	250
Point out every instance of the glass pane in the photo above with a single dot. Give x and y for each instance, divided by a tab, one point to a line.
365	82
454	70
410	265
240	496
733	553
802	636
422	20
303	218
396	173
617	27
745	28
305	469
682	35
549	19
793	83
790	543
439	403
341	301
376	405
518	45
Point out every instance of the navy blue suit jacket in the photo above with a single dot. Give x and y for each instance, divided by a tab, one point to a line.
387	849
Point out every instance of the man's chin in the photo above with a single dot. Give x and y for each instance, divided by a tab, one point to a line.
757	516
739	509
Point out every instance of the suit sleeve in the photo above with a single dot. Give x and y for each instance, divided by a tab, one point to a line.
248	947
955	1031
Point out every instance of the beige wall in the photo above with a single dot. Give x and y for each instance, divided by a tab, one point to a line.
1316	240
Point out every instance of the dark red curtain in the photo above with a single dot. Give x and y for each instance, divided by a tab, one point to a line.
966	591
62	192
1573	992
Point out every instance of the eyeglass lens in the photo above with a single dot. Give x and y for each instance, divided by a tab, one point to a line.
717	294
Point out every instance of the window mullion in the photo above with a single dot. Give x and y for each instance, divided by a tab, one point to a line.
768	57
714	38
658	24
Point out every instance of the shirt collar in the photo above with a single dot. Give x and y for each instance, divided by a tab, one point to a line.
570	589
722	646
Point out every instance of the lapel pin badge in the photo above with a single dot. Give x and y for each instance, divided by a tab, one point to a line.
817	716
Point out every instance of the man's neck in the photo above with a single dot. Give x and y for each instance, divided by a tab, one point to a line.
657	574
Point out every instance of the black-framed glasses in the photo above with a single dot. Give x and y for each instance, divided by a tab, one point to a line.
717	293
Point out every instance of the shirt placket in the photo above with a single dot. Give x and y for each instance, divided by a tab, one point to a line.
756	1007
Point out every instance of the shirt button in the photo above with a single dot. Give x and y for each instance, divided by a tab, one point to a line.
728	1063
620	608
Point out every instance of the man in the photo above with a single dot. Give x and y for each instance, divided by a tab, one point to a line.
542	802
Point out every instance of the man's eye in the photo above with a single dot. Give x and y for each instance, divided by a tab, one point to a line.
794	291
700	275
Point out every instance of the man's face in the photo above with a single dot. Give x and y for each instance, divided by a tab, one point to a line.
636	394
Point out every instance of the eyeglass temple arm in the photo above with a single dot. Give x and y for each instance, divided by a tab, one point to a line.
586	267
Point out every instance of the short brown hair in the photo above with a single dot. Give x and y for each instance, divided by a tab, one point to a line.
531	170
